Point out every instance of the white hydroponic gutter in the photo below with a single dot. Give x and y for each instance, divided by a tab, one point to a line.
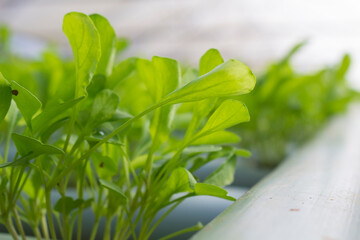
315	194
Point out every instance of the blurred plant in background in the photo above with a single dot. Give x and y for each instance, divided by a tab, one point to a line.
287	108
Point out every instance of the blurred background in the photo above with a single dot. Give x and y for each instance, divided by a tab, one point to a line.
255	31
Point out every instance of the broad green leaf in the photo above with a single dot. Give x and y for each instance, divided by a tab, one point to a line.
163	76
108	44
223	175
146	72
113	187
96	85
26	102
5	97
104	107
70	204
211	59
104	165
85	43
228	114
220	137
180	180
51	114
27	145
202	149
212	190
123	70
168	75
228	79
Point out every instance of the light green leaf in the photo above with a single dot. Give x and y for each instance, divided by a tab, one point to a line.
212	190
113	187
26	102
211	59
243	153
229	113
27	145
85	43
223	175
5	97
51	114
180	180
108	44
166	77
228	79
121	72
104	107
220	137
105	166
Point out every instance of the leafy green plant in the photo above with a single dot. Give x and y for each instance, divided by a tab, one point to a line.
288	108
117	133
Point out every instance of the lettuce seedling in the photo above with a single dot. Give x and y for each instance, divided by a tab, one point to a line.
111	130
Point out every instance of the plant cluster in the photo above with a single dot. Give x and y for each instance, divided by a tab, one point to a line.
288	108
128	136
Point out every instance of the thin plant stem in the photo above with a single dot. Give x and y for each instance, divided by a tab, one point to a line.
44	227
18	224
10	227
37	233
49	214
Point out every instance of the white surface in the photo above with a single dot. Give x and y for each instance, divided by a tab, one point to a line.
314	195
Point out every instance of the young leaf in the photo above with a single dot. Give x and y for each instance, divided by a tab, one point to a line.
51	114
104	165
108	41
85	43
123	70
27	145
211	59
104	107
180	180
228	114
26	102
212	190
161	76
228	79
224	175
5	97
113	187
220	137
242	153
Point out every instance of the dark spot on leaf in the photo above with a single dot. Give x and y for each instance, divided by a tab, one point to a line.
15	92
101	164
58	184
294	210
